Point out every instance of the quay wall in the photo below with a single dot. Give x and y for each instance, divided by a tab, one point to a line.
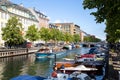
16	52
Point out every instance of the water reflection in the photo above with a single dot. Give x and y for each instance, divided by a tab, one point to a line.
28	64
10	67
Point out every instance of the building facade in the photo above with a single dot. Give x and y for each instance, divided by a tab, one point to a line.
43	19
53	26
70	28
9	9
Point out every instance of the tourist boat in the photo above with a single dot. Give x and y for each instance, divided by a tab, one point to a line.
43	53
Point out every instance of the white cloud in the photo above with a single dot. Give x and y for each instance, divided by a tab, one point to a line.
57	21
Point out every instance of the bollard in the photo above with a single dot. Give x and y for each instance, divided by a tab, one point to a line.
55	58
27	50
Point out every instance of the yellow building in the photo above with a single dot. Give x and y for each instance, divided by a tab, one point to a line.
68	27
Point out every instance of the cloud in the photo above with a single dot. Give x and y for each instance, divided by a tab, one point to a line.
57	21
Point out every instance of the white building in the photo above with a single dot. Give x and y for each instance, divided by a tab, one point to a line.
42	18
9	9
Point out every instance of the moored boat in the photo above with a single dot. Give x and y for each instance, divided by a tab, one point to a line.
65	64
43	53
91	60
81	68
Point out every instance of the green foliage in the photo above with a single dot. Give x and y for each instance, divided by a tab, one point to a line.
32	33
12	32
91	39
56	34
68	37
112	29
45	34
106	11
76	37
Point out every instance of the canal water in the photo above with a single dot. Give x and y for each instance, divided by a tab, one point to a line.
28	64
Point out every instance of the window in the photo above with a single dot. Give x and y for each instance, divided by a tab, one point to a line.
2	24
6	16
1	15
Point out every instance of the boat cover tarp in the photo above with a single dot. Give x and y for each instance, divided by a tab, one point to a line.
80	67
27	77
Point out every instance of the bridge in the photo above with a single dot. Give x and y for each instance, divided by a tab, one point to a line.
88	44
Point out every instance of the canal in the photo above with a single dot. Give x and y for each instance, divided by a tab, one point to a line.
27	64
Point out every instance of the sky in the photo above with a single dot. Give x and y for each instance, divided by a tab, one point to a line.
67	11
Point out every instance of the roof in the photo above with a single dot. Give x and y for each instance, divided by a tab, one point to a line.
7	4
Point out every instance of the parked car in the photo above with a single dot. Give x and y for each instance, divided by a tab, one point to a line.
39	44
28	45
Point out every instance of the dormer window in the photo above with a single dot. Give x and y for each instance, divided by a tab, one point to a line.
4	7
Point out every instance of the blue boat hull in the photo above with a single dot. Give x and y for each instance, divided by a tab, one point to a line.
42	55
28	77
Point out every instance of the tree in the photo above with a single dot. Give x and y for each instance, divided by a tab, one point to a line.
86	39
56	34
11	33
68	37
76	38
45	34
106	11
91	39
32	33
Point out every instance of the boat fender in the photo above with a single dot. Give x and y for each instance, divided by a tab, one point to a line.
54	74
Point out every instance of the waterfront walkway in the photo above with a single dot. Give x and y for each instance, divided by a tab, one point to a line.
114	66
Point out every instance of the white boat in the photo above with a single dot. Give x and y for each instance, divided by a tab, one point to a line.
79	68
